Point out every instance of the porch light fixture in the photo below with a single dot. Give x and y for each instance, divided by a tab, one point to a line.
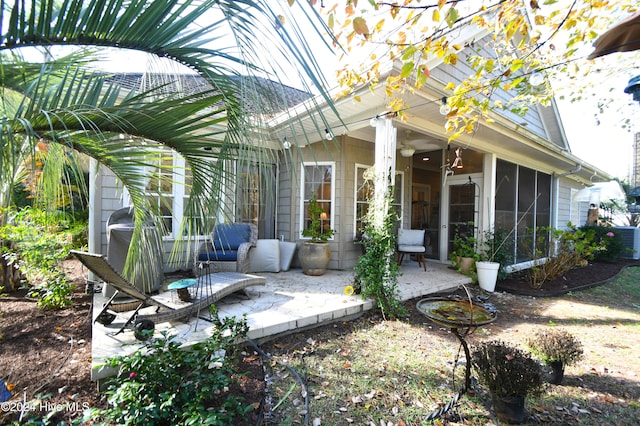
285	143
407	152
328	135
536	78
445	108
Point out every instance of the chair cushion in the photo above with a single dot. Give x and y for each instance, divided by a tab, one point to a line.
265	256
226	256
287	250
411	249
231	236
411	237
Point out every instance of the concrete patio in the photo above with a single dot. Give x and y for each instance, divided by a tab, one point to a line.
288	302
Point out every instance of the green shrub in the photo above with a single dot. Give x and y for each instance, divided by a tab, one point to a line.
163	383
609	240
37	242
570	248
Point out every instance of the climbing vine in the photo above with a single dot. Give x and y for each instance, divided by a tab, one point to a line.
376	272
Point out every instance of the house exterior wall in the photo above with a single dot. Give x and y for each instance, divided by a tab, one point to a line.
568	210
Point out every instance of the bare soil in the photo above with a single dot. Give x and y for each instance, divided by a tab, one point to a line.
47	354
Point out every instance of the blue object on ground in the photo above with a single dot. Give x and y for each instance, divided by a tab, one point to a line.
5	395
184	283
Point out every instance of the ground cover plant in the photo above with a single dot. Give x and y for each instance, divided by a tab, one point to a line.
164	383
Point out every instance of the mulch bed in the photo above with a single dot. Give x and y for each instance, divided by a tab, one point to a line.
577	279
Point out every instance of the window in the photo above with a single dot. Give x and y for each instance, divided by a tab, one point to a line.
523	204
160	189
256	197
364	193
317	179
364	190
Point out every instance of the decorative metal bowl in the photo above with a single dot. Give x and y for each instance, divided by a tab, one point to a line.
455	313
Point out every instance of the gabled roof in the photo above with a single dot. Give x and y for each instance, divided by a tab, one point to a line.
259	95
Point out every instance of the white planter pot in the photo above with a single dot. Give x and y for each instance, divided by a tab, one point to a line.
487	275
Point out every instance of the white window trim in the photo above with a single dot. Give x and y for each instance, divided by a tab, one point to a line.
333	194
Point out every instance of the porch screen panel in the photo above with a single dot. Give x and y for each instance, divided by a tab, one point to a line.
543	212
523	206
506	194
526	214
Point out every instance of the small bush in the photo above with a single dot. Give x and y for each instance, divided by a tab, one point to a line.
609	241
505	370
163	383
556	345
570	248
36	242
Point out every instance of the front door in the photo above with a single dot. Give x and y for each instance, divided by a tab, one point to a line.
461	205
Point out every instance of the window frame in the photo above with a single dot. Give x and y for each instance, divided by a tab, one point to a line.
356	202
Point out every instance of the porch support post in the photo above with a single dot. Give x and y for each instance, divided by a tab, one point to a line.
488	201
385	166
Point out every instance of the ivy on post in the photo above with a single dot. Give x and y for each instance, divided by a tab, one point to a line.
376	272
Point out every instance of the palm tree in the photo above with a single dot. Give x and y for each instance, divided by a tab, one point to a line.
62	99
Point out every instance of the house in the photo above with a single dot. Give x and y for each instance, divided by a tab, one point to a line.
517	174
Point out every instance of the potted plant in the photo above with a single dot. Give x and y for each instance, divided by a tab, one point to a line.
556	348
464	254
495	254
314	254
510	374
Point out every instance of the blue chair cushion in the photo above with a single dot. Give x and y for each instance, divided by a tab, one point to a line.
231	236
226	255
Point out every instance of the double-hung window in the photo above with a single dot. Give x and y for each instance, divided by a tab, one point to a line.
318	180
364	190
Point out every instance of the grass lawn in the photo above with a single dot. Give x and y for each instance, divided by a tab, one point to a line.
375	372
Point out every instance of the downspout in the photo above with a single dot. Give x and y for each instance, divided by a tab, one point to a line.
556	194
571	172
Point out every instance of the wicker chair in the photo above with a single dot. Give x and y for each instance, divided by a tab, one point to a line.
228	249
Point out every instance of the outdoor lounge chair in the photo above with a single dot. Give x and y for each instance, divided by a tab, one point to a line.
207	289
